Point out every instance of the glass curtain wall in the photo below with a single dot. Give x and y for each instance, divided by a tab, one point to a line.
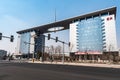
90	35
24	47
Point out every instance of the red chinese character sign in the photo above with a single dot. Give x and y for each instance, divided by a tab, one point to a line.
109	18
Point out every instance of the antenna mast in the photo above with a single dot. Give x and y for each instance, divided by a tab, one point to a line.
55	21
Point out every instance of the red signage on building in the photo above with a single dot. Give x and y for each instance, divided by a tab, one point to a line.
89	52
109	18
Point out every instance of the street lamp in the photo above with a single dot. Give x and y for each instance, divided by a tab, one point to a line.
63	54
33	56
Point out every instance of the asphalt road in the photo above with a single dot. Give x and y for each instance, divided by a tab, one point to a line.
29	71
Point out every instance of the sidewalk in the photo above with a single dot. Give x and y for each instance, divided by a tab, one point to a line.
80	64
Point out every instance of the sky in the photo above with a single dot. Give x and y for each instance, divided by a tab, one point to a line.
16	15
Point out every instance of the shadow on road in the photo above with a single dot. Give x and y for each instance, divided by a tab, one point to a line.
2	77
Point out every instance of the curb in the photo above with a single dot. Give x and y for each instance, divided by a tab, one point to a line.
80	64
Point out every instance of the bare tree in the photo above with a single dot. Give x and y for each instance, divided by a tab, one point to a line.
110	47
59	48
117	59
47	49
110	56
52	50
58	51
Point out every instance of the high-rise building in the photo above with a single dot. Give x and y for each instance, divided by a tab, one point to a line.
40	43
3	54
94	33
24	43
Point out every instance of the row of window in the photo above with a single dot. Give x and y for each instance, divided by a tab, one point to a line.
91	17
103	35
90	34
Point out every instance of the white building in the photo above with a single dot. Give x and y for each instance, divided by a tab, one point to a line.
94	32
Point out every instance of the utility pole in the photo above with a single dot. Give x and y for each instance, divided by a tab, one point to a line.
63	54
43	53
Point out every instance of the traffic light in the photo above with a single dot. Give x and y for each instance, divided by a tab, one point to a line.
48	36
69	44
11	38
0	36
56	39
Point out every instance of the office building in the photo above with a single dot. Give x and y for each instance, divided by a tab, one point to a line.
92	33
95	33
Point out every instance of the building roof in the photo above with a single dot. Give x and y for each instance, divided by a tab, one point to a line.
65	23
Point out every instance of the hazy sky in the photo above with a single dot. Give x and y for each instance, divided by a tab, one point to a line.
17	15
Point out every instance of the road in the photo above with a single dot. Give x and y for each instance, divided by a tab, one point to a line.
32	71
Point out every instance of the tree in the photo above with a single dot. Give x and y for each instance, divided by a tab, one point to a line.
59	49
52	50
111	58
104	57
117	59
39	54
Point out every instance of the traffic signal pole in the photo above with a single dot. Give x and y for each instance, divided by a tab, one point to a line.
57	40
11	38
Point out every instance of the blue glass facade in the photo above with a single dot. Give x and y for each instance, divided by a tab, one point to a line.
26	38
89	35
24	48
40	43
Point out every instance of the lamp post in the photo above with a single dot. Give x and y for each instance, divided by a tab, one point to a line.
63	54
43	53
29	49
33	56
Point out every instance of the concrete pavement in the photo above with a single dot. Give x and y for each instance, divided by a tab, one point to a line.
43	71
108	65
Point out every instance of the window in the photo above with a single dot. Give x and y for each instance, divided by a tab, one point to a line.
90	34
